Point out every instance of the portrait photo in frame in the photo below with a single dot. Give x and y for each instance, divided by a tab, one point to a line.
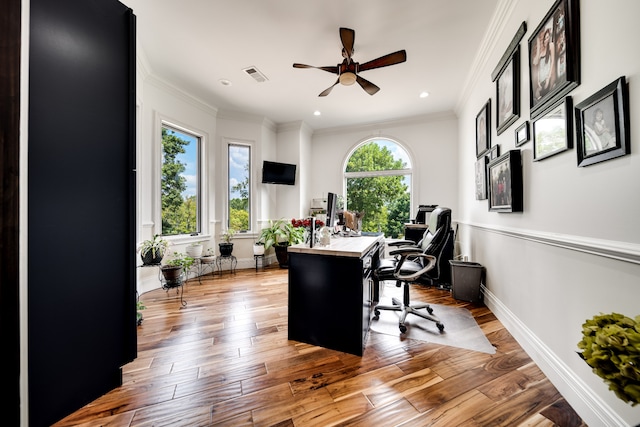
504	176
507	78
522	134
554	56
483	129
602	124
481	178
553	130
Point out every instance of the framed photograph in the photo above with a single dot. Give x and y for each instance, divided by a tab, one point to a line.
522	134
481	178
602	124
483	129
508	93
554	55
552	131
494	152
505	182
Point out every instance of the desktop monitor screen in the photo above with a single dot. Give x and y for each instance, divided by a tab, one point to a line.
332	215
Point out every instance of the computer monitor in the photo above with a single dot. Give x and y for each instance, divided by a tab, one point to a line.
332	216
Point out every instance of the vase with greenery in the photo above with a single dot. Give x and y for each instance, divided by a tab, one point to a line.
280	234
173	270
611	347
152	250
226	246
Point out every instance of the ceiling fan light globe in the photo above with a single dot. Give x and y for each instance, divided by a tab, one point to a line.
347	78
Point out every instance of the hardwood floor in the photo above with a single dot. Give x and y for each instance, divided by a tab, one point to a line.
224	360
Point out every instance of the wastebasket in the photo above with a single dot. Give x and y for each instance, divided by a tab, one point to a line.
465	280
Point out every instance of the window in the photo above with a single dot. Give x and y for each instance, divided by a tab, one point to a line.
239	212
180	182
378	177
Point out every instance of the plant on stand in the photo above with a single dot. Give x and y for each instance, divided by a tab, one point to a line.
194	250
226	246
172	271
152	250
281	234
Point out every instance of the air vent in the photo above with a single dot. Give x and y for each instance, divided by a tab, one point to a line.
256	74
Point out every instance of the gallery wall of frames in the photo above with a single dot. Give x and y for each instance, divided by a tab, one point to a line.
597	127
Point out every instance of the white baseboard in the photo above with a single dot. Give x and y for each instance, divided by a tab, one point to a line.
582	398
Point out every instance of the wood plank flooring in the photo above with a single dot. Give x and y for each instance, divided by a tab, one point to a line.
224	360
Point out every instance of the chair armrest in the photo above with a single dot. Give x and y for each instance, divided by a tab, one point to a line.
413	276
406	250
402	243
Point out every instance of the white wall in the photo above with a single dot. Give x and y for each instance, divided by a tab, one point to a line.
574	250
431	141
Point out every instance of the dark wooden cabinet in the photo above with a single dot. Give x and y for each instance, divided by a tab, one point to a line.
332	294
81	199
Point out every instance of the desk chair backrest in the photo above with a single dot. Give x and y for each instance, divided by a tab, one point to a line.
437	229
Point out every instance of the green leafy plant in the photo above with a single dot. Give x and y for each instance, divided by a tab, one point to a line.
611	346
228	235
281	232
181	260
157	246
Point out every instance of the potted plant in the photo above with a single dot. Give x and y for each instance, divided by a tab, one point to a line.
152	250
611	347
281	234
194	250
208	256
258	248
139	307
173	269
226	246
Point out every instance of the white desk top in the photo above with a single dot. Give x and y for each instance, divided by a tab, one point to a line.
340	246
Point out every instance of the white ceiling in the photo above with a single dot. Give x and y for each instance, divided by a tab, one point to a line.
193	44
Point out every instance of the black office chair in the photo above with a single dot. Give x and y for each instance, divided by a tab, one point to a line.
437	240
417	263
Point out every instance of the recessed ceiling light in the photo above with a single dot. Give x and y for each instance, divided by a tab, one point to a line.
317	113
225	82
424	94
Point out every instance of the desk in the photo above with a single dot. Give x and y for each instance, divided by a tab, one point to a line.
332	292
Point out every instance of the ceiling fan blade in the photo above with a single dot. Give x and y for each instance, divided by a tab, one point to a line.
333	69
328	90
347	36
384	61
369	87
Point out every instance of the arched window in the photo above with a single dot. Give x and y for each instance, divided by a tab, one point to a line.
378	182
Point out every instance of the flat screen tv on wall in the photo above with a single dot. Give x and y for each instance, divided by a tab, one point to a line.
278	173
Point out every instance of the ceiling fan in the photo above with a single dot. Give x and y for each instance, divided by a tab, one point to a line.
348	71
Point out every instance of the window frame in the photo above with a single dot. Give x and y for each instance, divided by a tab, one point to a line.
410	172
202	193
229	142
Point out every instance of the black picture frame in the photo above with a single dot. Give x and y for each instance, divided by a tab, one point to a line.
483	129
504	177
553	130
558	36
522	134
481	178
494	152
602	124
507	78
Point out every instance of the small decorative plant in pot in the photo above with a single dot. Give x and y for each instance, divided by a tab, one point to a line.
226	246
281	234
152	251
174	268
208	256
611	347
